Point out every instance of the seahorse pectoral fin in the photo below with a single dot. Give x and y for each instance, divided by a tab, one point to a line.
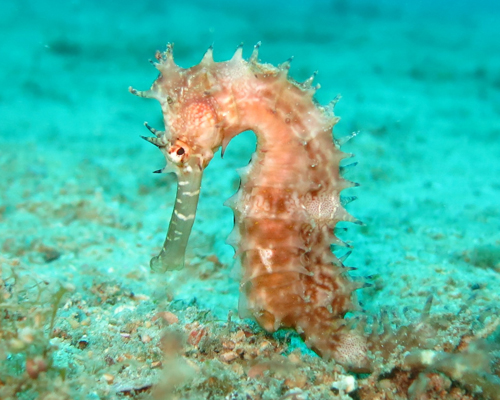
171	256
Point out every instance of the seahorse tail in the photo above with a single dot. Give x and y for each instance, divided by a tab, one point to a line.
335	339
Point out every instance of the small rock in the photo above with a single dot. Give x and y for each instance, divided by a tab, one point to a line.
146	338
229	345
229	357
83	342
34	366
108	378
346	383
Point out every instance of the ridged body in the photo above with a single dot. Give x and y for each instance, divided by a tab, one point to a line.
289	199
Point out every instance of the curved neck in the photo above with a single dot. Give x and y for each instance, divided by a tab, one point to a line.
284	119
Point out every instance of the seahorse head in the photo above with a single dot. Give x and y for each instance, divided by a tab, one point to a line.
191	137
192	125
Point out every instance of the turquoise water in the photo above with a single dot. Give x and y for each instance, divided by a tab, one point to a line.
79	206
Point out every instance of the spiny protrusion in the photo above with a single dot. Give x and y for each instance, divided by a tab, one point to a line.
166	58
208	58
244	173
225	142
148	94
342	215
169	53
344	257
344	169
307	84
337	242
157	141
346	155
154	64
154	131
286	65
233	239
232	201
238	54
329	109
344	200
343	140
334	102
359	285
254	58
160	140
346	184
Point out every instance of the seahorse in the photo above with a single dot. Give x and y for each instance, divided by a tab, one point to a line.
288	203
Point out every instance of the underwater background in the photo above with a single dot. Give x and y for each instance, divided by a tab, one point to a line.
81	214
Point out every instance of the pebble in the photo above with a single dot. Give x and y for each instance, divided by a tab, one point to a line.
228	357
146	338
346	383
108	378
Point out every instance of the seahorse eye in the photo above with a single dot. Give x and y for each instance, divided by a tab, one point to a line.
178	152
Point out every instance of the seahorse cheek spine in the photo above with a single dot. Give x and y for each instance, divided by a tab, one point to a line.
289	199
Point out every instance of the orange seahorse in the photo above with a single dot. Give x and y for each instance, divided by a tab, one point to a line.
289	198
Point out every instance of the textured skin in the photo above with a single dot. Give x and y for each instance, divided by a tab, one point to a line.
289	199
